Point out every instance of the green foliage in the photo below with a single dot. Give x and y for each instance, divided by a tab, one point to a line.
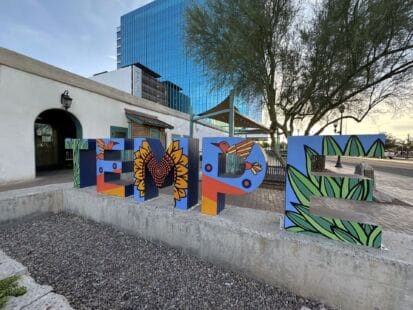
305	186
9	287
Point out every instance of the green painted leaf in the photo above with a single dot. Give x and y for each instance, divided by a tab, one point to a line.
345	236
354	147
349	228
376	150
322	225
375	237
362	190
356	192
339	224
295	229
345	187
367	228
302	186
331	147
300	221
309	152
368	190
329	187
361	234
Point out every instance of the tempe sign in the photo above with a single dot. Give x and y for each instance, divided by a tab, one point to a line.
100	162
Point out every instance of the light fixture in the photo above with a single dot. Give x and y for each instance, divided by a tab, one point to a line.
65	100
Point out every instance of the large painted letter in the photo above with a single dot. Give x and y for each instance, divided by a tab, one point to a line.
217	179
179	165
302	184
109	166
84	161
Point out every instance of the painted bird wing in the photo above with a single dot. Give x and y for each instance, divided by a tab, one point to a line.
242	149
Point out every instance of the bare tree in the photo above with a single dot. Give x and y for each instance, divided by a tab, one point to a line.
306	64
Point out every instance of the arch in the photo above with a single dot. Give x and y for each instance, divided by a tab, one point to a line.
51	128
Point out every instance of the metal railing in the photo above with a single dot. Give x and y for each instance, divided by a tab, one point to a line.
275	170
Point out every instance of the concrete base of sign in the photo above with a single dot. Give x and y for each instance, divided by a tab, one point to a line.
251	242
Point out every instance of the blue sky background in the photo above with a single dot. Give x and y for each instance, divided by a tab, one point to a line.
75	35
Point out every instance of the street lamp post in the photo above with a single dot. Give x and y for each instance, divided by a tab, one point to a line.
341	109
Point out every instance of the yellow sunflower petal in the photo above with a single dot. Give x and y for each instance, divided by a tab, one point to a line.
139	174
181	183
139	163
175	145
145	149
141	185
179	193
181	170
184	160
176	156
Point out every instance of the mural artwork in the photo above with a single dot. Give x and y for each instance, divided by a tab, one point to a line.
217	180
234	166
156	168
109	167
84	166
302	183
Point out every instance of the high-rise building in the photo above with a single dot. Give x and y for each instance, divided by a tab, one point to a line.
153	35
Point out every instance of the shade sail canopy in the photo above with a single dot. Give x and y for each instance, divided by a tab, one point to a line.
240	120
145	119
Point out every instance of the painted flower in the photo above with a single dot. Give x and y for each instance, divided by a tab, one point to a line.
174	158
181	170
141	156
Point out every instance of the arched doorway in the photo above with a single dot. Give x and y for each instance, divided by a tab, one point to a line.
51	128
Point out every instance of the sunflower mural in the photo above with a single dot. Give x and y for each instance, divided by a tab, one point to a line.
155	168
302	184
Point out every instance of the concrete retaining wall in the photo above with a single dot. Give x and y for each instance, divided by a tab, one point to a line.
247	241
29	202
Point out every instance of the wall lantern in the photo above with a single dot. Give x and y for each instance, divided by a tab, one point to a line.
65	100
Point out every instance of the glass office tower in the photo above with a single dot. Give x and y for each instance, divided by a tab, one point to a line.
153	35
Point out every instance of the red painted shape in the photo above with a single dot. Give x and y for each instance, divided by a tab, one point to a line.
211	187
101	185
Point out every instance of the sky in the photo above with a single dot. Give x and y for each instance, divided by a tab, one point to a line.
75	35
80	36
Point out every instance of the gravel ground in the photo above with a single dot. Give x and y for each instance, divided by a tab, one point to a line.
98	267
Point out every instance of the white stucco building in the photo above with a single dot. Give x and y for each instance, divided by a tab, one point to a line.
30	93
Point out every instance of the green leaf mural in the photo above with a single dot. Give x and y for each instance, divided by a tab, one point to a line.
331	147
76	145
305	186
376	150
354	147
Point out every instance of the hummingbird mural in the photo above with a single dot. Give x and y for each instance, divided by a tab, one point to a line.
241	149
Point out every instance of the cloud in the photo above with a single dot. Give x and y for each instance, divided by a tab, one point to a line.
112	57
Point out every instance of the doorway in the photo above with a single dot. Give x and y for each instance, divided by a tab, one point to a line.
51	128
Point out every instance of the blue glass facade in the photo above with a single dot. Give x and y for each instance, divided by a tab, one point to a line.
153	35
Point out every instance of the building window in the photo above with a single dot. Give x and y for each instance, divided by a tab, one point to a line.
155	134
